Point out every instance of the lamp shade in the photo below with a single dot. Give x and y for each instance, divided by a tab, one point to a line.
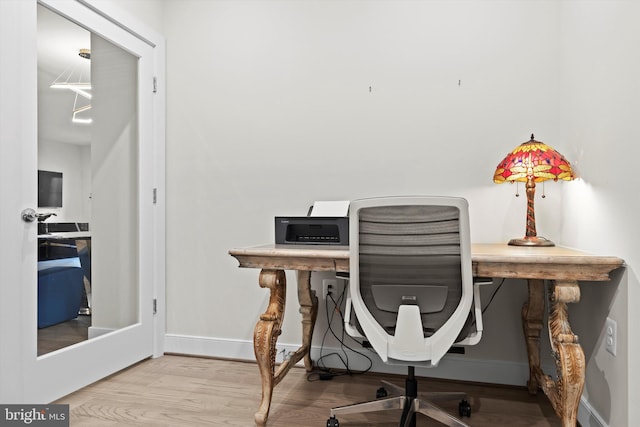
532	161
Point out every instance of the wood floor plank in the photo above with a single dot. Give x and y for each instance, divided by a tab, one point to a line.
181	391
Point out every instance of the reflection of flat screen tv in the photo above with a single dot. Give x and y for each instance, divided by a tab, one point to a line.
49	189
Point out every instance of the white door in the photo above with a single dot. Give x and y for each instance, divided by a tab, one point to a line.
116	177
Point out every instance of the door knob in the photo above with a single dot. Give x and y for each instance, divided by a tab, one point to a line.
29	215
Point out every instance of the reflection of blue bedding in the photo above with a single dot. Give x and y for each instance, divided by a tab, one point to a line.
60	284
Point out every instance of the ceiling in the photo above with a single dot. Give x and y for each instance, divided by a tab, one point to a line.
59	41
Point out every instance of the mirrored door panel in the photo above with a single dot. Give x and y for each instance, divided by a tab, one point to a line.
88	144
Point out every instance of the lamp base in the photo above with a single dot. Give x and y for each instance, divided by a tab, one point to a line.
531	241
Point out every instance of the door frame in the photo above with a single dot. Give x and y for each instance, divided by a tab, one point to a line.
18	142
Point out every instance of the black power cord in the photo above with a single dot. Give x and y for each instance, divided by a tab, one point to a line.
493	295
333	308
325	373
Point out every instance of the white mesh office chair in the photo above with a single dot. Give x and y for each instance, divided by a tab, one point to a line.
412	292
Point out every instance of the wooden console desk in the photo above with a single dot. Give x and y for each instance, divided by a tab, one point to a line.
562	267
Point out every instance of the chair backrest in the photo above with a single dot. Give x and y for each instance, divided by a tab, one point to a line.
411	281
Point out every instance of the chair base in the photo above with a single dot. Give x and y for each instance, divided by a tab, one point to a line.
409	403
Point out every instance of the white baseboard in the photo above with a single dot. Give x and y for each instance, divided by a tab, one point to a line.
589	417
454	367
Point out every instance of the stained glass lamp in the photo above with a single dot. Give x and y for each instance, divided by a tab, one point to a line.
532	161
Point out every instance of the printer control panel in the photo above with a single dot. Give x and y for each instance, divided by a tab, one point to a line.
310	230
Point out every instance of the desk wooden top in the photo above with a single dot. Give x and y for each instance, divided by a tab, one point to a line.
555	262
489	260
294	257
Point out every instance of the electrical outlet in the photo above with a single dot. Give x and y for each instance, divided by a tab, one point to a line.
611	336
329	285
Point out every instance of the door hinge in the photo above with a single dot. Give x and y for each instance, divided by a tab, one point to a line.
155	84
155	306
155	196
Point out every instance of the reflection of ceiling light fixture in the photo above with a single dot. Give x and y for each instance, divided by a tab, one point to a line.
78	110
66	80
79	88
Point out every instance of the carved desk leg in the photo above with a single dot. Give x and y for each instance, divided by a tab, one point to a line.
265	336
309	310
532	315
565	393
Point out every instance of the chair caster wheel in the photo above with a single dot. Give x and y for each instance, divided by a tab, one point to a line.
333	422
464	409
381	392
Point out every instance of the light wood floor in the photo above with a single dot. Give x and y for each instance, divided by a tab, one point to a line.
187	391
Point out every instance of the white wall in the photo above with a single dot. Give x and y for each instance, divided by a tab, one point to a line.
269	109
115	226
600	106
74	161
